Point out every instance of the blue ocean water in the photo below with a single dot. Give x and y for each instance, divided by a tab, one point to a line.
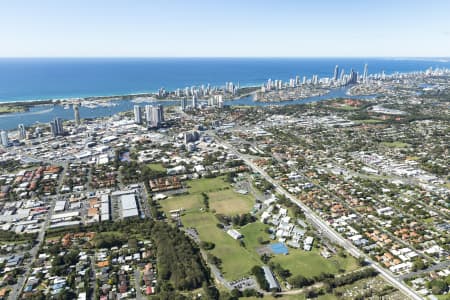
30	79
50	78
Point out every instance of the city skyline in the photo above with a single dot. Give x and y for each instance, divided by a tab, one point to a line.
224	29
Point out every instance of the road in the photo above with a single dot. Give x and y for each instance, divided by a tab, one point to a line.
439	266
92	281
137	283
15	292
323	226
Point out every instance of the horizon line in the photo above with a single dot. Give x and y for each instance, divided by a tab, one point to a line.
223	57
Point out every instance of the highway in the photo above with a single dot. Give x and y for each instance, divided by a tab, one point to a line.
323	227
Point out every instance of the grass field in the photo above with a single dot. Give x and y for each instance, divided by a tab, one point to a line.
236	260
251	233
395	144
297	261
311	263
222	198
187	202
157	167
292	297
229	202
207	185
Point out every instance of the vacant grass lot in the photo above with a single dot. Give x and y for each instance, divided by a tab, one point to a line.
207	185
229	202
187	202
395	144
222	198
297	261
311	263
157	167
236	261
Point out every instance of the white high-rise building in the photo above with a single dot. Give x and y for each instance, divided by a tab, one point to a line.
56	127
76	112
148	113
194	101
183	104
336	73
4	138
154	115
366	73
22	131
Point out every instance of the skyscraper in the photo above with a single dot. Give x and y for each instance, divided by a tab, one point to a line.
4	138
336	73
22	131
342	76
76	111
137	114
56	127
160	113
366	73
194	101
59	126
154	115
183	104
148	114
353	77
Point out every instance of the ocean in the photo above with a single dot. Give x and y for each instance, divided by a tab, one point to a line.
55	78
24	79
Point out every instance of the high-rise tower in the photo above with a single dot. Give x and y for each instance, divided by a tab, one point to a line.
76	112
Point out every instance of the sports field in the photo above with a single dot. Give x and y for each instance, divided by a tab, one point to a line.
236	261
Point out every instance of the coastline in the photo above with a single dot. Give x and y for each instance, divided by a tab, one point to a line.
63	101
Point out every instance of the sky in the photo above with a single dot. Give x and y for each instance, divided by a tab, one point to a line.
224	28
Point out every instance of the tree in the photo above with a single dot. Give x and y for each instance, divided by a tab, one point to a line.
418	264
207	245
211	292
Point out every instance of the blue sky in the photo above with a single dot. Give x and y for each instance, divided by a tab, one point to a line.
167	28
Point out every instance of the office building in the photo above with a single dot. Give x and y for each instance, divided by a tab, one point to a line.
76	112
4	138
137	114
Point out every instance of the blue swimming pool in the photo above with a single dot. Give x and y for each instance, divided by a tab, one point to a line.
279	248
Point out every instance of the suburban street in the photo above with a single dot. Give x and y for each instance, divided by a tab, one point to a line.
323	226
34	251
